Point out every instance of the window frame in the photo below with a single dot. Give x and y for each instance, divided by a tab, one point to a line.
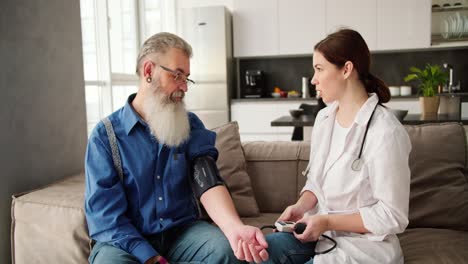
107	80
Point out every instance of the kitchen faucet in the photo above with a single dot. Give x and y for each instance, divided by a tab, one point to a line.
451	87
450	67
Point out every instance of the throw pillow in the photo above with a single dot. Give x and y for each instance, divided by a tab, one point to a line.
233	169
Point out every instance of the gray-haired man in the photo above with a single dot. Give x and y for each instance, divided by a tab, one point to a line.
150	215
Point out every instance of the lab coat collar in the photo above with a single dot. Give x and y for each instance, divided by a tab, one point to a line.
363	115
326	126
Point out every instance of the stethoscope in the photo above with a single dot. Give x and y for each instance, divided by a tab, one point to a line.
357	163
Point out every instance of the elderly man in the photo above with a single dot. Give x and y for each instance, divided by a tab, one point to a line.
149	213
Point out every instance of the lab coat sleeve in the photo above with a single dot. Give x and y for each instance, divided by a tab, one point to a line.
311	183
389	178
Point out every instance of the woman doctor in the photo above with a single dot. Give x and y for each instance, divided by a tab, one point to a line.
358	178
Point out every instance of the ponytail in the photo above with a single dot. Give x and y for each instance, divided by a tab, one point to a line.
375	85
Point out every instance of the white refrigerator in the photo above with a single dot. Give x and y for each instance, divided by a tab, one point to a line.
208	30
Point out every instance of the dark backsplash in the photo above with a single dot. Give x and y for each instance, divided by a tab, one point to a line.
287	73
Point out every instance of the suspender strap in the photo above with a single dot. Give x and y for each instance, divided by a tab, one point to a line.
114	147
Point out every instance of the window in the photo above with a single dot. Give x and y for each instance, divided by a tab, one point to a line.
112	32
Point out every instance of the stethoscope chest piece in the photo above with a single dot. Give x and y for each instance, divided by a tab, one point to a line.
357	165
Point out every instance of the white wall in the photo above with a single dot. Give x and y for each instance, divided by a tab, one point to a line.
42	109
198	3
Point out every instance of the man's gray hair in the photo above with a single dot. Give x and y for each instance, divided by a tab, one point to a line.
160	43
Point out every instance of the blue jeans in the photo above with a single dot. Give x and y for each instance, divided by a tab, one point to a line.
284	248
198	242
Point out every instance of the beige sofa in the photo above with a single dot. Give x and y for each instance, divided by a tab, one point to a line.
48	225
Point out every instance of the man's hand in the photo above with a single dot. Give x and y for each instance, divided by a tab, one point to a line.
316	225
156	259
248	243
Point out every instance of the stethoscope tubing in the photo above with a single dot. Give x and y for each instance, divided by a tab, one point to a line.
356	165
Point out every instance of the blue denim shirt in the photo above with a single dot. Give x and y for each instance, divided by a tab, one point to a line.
156	192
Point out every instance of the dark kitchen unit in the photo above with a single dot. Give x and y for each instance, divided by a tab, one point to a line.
287	72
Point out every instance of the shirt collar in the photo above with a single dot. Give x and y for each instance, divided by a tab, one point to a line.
130	116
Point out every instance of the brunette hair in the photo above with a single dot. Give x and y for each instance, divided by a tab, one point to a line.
348	45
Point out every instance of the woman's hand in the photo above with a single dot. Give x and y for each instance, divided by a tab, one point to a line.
316	225
293	213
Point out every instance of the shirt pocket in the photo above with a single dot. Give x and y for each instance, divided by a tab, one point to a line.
178	171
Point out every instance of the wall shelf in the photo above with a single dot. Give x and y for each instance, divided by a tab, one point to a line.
437	39
442	18
449	9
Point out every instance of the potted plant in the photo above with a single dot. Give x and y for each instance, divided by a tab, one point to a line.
430	78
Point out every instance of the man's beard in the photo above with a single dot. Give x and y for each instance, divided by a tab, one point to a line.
168	120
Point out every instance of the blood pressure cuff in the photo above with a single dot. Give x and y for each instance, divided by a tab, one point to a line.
205	175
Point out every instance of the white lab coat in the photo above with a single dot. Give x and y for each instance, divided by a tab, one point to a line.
379	191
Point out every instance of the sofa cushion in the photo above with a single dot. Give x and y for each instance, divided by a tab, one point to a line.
232	168
49	225
272	167
439	188
430	245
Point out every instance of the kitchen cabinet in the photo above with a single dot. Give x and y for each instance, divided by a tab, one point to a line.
254	116
403	24
410	104
359	15
293	27
255	25
277	27
301	25
254	119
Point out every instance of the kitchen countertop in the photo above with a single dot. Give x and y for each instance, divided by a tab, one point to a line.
274	100
411	119
301	121
417	119
462	95
312	99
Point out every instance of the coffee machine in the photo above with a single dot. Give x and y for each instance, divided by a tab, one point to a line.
254	84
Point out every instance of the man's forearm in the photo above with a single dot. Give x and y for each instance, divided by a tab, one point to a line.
219	206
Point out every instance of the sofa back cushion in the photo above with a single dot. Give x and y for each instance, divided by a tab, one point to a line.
232	168
439	185
49	226
439	188
273	169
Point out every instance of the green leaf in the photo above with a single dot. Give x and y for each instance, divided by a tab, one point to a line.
414	69
410	77
430	77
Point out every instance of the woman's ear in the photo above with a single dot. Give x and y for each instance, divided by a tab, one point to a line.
347	69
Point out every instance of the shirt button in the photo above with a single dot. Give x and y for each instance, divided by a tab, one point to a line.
160	219
160	198
158	177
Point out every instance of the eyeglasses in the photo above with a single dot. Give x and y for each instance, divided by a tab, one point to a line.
178	76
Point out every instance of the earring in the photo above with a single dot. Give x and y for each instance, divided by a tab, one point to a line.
148	80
